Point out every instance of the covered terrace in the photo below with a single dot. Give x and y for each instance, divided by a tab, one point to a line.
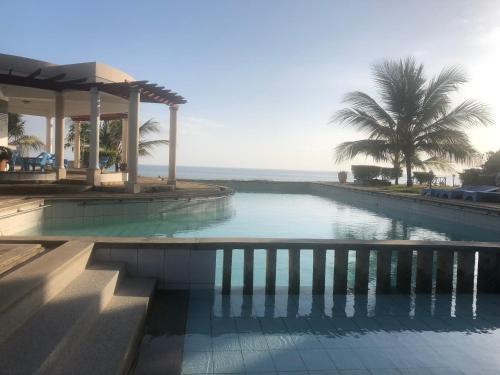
83	92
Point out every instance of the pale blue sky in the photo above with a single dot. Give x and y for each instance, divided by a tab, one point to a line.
262	77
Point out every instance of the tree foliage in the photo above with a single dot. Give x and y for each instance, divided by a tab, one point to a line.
415	125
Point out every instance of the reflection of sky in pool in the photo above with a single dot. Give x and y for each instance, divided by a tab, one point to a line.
278	215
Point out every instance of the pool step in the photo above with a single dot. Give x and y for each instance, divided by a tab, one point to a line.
109	346
44	338
14	206
26	289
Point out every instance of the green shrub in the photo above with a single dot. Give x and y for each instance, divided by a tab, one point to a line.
476	176
423	178
365	173
390	173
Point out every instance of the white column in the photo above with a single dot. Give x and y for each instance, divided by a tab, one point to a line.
48	134
124	140
133	141
59	141
93	172
172	145
76	145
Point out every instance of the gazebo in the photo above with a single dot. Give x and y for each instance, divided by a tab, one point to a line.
83	92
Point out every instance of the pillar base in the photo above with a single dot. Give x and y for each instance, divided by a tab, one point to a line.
132	188
94	177
172	182
60	173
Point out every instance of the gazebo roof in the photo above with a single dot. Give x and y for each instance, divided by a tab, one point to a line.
150	92
29	84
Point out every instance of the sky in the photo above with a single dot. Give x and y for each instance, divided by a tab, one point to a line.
263	78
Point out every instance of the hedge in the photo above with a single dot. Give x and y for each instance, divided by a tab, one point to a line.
365	172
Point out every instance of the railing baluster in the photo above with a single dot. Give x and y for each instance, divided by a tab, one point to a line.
271	270
444	272
227	263
424	271
319	263
487	273
362	269
293	271
340	272
384	271
465	271
248	271
403	279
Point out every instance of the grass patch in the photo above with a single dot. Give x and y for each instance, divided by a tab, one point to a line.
415	189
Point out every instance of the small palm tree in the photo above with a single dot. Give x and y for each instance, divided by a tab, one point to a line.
17	135
415	125
110	138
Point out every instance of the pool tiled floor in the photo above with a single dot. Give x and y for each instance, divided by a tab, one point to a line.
385	334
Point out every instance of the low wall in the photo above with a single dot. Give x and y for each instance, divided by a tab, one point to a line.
184	267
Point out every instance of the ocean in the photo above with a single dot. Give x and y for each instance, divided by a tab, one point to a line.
216	173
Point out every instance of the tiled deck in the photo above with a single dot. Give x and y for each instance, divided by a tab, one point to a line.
384	334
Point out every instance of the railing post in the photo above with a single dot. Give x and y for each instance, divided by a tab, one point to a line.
487	272
248	271
271	270
384	271
403	282
293	271
362	269
465	271
226	270
424	271
319	263
444	271
340	271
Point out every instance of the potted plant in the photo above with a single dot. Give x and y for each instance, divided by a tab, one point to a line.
342	175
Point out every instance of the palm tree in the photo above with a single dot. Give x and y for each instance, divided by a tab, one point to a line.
110	138
415	125
17	135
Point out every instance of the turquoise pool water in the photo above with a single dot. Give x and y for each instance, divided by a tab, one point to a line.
274	215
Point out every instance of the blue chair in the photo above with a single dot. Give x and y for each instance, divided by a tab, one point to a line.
482	193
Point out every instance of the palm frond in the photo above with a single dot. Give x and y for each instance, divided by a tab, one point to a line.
377	149
145	147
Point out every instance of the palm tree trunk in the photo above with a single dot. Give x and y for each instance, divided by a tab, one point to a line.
409	179
396	170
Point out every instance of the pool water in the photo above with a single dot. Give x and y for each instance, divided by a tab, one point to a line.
274	215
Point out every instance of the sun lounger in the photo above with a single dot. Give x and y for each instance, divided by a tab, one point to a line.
483	193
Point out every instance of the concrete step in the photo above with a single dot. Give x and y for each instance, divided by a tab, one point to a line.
26	289
14	207
109	346
31	189
43	339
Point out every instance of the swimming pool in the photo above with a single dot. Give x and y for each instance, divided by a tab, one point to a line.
271	215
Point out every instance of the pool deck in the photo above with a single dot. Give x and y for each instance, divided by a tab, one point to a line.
17	196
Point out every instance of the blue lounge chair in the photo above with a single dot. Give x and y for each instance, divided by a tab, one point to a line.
482	193
453	193
431	192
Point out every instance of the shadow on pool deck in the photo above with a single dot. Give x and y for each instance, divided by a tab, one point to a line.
383	334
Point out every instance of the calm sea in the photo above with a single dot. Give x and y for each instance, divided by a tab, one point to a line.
210	173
